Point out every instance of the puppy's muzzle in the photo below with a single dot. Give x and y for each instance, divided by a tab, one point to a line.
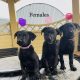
20	42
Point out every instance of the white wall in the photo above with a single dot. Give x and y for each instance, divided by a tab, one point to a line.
64	6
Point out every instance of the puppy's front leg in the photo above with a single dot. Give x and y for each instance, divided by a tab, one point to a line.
24	75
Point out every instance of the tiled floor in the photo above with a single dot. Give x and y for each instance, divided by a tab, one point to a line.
12	63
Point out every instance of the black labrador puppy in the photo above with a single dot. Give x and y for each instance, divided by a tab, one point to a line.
67	43
28	58
49	59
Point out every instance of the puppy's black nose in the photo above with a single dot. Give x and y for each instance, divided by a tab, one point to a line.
19	42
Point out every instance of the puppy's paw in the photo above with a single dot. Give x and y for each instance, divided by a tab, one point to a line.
33	78
73	68
62	67
47	73
54	72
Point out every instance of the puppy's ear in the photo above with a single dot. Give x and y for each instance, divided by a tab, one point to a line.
15	34
43	30
32	35
58	32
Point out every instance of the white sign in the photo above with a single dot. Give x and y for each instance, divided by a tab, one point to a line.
39	13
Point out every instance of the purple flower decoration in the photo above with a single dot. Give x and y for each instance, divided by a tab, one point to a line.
22	22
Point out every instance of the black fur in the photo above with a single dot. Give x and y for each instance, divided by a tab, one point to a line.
28	58
67	43
49	58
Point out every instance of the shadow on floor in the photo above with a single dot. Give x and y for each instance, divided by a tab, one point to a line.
7	52
77	58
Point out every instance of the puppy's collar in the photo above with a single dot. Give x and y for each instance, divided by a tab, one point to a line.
26	47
